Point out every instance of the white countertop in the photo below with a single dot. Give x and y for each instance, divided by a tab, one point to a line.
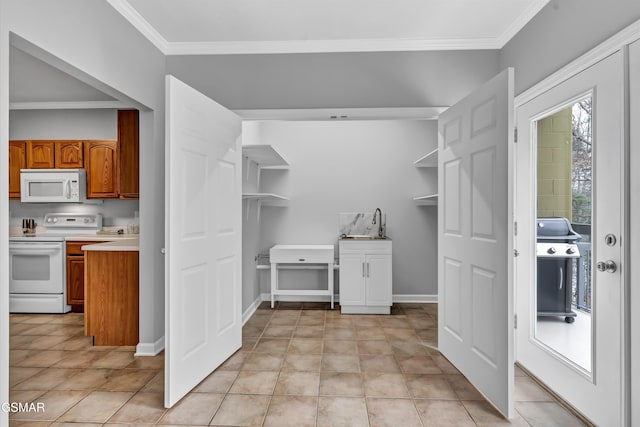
120	245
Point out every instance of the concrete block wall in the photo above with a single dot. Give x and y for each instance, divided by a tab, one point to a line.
554	165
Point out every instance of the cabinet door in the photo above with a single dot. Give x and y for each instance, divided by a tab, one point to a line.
378	271
129	147
101	163
352	285
75	280
69	154
40	155
17	161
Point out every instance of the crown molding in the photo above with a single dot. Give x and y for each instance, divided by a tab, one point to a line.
322	114
521	21
327	46
141	24
68	105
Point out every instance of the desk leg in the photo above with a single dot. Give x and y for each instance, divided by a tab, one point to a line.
274	282
330	279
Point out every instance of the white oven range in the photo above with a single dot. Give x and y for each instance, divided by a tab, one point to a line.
37	263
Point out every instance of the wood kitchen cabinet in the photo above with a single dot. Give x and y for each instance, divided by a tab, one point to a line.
101	163
365	277
17	161
69	154
129	151
112	297
75	275
40	155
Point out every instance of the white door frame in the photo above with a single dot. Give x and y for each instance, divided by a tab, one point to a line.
619	41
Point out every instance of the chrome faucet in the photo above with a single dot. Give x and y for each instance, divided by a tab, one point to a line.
380	230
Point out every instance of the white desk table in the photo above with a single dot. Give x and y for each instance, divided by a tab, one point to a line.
303	255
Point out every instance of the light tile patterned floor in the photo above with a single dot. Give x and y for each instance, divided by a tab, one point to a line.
300	365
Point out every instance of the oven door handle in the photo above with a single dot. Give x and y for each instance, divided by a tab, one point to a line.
34	250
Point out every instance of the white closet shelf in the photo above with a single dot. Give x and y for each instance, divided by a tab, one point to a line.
429	160
266	198
430	200
265	156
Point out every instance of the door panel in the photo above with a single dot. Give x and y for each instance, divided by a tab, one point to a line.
203	281
378	279
596	390
475	305
352	284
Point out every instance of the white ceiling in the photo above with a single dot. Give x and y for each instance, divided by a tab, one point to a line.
297	26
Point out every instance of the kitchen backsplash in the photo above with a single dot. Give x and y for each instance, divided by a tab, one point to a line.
360	223
114	212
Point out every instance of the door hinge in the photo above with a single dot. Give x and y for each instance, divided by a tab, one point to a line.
515	135
515	228
515	321
516	253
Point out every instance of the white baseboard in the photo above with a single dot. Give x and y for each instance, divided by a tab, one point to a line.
150	349
251	309
418	298
424	298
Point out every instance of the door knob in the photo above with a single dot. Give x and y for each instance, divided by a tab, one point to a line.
608	266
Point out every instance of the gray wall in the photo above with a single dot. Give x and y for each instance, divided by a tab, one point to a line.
63	124
337	80
353	166
561	32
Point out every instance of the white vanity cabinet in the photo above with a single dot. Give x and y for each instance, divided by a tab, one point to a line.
365	276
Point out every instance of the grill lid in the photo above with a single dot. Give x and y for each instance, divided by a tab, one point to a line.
556	229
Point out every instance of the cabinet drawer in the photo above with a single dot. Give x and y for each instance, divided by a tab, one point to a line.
369	247
74	248
294	254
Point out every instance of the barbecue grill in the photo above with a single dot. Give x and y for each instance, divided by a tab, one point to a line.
556	253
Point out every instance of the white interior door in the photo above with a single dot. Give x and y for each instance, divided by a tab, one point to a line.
475	250
593	382
203	259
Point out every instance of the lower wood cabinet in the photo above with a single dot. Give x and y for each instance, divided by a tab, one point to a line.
112	297
365	277
75	275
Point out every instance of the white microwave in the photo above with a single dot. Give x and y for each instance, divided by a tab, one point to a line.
53	185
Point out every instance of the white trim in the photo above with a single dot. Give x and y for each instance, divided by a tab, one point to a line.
598	53
400	298
328	46
252	308
131	14
418	298
68	105
391	113
521	21
150	349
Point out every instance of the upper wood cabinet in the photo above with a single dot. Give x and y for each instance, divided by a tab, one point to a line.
69	155
17	161
101	163
40	155
129	147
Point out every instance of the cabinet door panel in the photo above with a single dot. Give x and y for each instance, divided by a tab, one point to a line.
17	161
129	147
352	281
378	280
75	280
40	155
101	163
69	154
